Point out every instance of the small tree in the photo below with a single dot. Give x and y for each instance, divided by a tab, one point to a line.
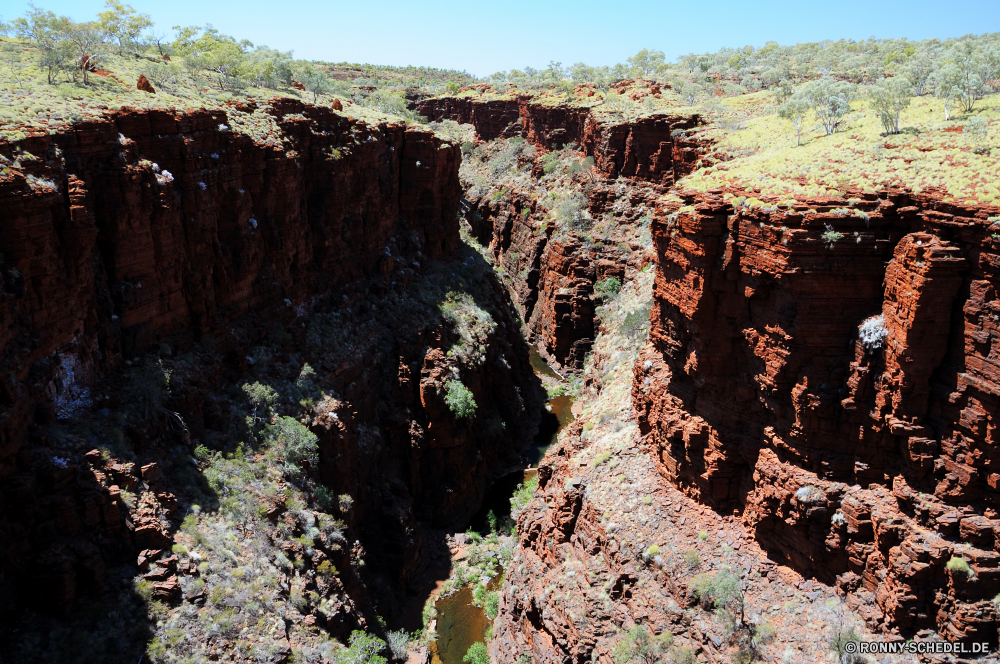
947	85
50	34
88	42
918	72
977	65
459	399
477	653
647	62
364	649
978	128
889	97
688	90
794	110
723	590
830	100
123	25
299	444
159	39
316	82
262	398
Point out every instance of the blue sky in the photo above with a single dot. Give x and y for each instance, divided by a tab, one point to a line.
484	37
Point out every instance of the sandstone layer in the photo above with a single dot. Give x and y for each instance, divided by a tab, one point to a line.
652	148
169	231
830	373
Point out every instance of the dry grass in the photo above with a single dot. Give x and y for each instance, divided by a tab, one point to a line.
30	105
929	153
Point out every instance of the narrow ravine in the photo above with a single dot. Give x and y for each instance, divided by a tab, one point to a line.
460	621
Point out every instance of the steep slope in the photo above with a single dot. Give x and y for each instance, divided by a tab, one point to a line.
320	276
562	193
839	387
651	147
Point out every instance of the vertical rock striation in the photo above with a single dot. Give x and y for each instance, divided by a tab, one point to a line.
832	373
160	226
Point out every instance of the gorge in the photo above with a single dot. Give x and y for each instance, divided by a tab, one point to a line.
263	363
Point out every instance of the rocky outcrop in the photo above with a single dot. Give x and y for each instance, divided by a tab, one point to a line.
158	228
552	276
831	372
654	148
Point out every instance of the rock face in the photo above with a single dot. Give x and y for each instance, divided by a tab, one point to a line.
156	226
553	279
840	390
651	148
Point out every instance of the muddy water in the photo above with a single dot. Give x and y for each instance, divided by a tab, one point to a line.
460	623
558	412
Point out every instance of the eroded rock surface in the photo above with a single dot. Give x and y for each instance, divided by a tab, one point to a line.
861	456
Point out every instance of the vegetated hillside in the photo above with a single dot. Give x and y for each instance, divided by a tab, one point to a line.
57	72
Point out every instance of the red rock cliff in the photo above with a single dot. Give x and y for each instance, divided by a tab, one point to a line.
165	226
651	148
862	454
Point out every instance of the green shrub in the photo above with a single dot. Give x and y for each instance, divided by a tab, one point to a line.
299	444
363	649
703	535
477	653
830	236
653	550
601	458
608	288
492	605
691	558
399	641
636	646
765	633
841	638
683	655
522	495
459	399
957	564
429	613
636	321
324	497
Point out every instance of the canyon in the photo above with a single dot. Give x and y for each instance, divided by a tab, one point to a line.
806	394
154	260
836	395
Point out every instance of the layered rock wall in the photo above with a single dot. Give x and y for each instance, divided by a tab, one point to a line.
652	148
831	372
161	226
